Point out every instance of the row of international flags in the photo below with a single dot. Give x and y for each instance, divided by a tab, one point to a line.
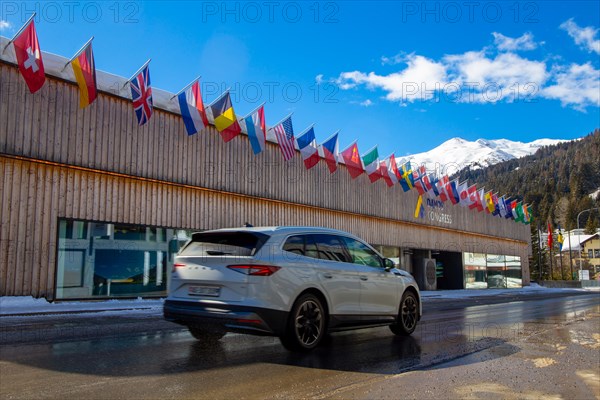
194	115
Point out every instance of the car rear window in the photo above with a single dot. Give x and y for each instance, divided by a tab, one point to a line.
224	244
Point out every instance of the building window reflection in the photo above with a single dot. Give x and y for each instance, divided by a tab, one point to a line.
475	271
97	259
492	271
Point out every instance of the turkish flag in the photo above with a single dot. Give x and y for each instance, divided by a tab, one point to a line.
29	58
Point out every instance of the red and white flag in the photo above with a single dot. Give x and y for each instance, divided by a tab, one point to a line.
29	58
284	132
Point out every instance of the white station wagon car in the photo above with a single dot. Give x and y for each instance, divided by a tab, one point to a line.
297	283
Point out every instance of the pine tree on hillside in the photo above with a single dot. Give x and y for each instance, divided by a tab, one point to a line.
591	226
556	181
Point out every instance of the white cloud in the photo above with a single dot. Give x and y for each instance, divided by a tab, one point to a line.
584	37
4	25
319	79
486	76
366	103
419	80
577	85
468	77
505	43
508	76
397	59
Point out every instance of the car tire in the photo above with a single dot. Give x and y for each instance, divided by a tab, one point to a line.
205	335
306	325
407	316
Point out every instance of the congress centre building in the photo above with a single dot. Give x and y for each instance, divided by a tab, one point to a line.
93	206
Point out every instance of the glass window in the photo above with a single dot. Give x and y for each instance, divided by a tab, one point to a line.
224	243
513	272
129	272
72	264
310	247
294	244
362	254
69	229
331	248
591	253
495	271
129	232
475	271
100	259
597	253
391	252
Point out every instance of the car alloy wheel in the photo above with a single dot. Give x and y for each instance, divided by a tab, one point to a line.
408	316
306	325
409	312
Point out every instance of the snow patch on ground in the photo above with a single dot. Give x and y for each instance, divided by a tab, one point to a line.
11	305
471	293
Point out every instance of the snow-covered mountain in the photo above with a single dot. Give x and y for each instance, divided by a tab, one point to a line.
456	154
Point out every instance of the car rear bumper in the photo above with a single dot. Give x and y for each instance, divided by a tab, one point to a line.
232	318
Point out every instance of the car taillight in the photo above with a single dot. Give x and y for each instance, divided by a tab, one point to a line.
255	270
177	265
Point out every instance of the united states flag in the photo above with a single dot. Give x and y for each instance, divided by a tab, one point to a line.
285	137
141	94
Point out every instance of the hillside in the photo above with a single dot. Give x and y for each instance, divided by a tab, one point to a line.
556	180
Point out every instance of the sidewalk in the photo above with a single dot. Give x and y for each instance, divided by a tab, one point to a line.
25	305
533	289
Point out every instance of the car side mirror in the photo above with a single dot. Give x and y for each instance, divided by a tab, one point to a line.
389	264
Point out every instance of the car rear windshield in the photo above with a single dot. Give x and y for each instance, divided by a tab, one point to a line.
224	244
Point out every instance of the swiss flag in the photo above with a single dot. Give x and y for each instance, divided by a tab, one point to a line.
29	58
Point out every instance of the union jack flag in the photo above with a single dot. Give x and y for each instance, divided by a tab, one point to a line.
141	94
285	137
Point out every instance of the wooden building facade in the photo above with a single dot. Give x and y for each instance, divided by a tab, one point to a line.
61	163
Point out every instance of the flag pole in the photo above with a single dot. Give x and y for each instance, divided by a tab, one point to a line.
219	98
550	249
283	119
332	135
562	267
391	154
137	72
78	53
187	87
254	110
18	32
570	255
305	130
371	149
350	145
539	233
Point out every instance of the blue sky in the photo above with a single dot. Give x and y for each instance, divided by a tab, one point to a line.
406	76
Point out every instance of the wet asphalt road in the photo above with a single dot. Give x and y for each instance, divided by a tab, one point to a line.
139	356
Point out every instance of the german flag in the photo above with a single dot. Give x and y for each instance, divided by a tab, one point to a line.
84	69
224	118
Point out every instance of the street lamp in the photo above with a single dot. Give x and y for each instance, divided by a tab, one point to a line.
579	233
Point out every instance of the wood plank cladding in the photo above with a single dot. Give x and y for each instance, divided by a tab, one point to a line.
50	126
60	161
36	194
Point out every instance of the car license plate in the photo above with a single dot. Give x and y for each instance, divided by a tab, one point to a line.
213	291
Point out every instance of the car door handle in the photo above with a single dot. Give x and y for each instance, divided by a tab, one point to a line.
363	278
327	275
